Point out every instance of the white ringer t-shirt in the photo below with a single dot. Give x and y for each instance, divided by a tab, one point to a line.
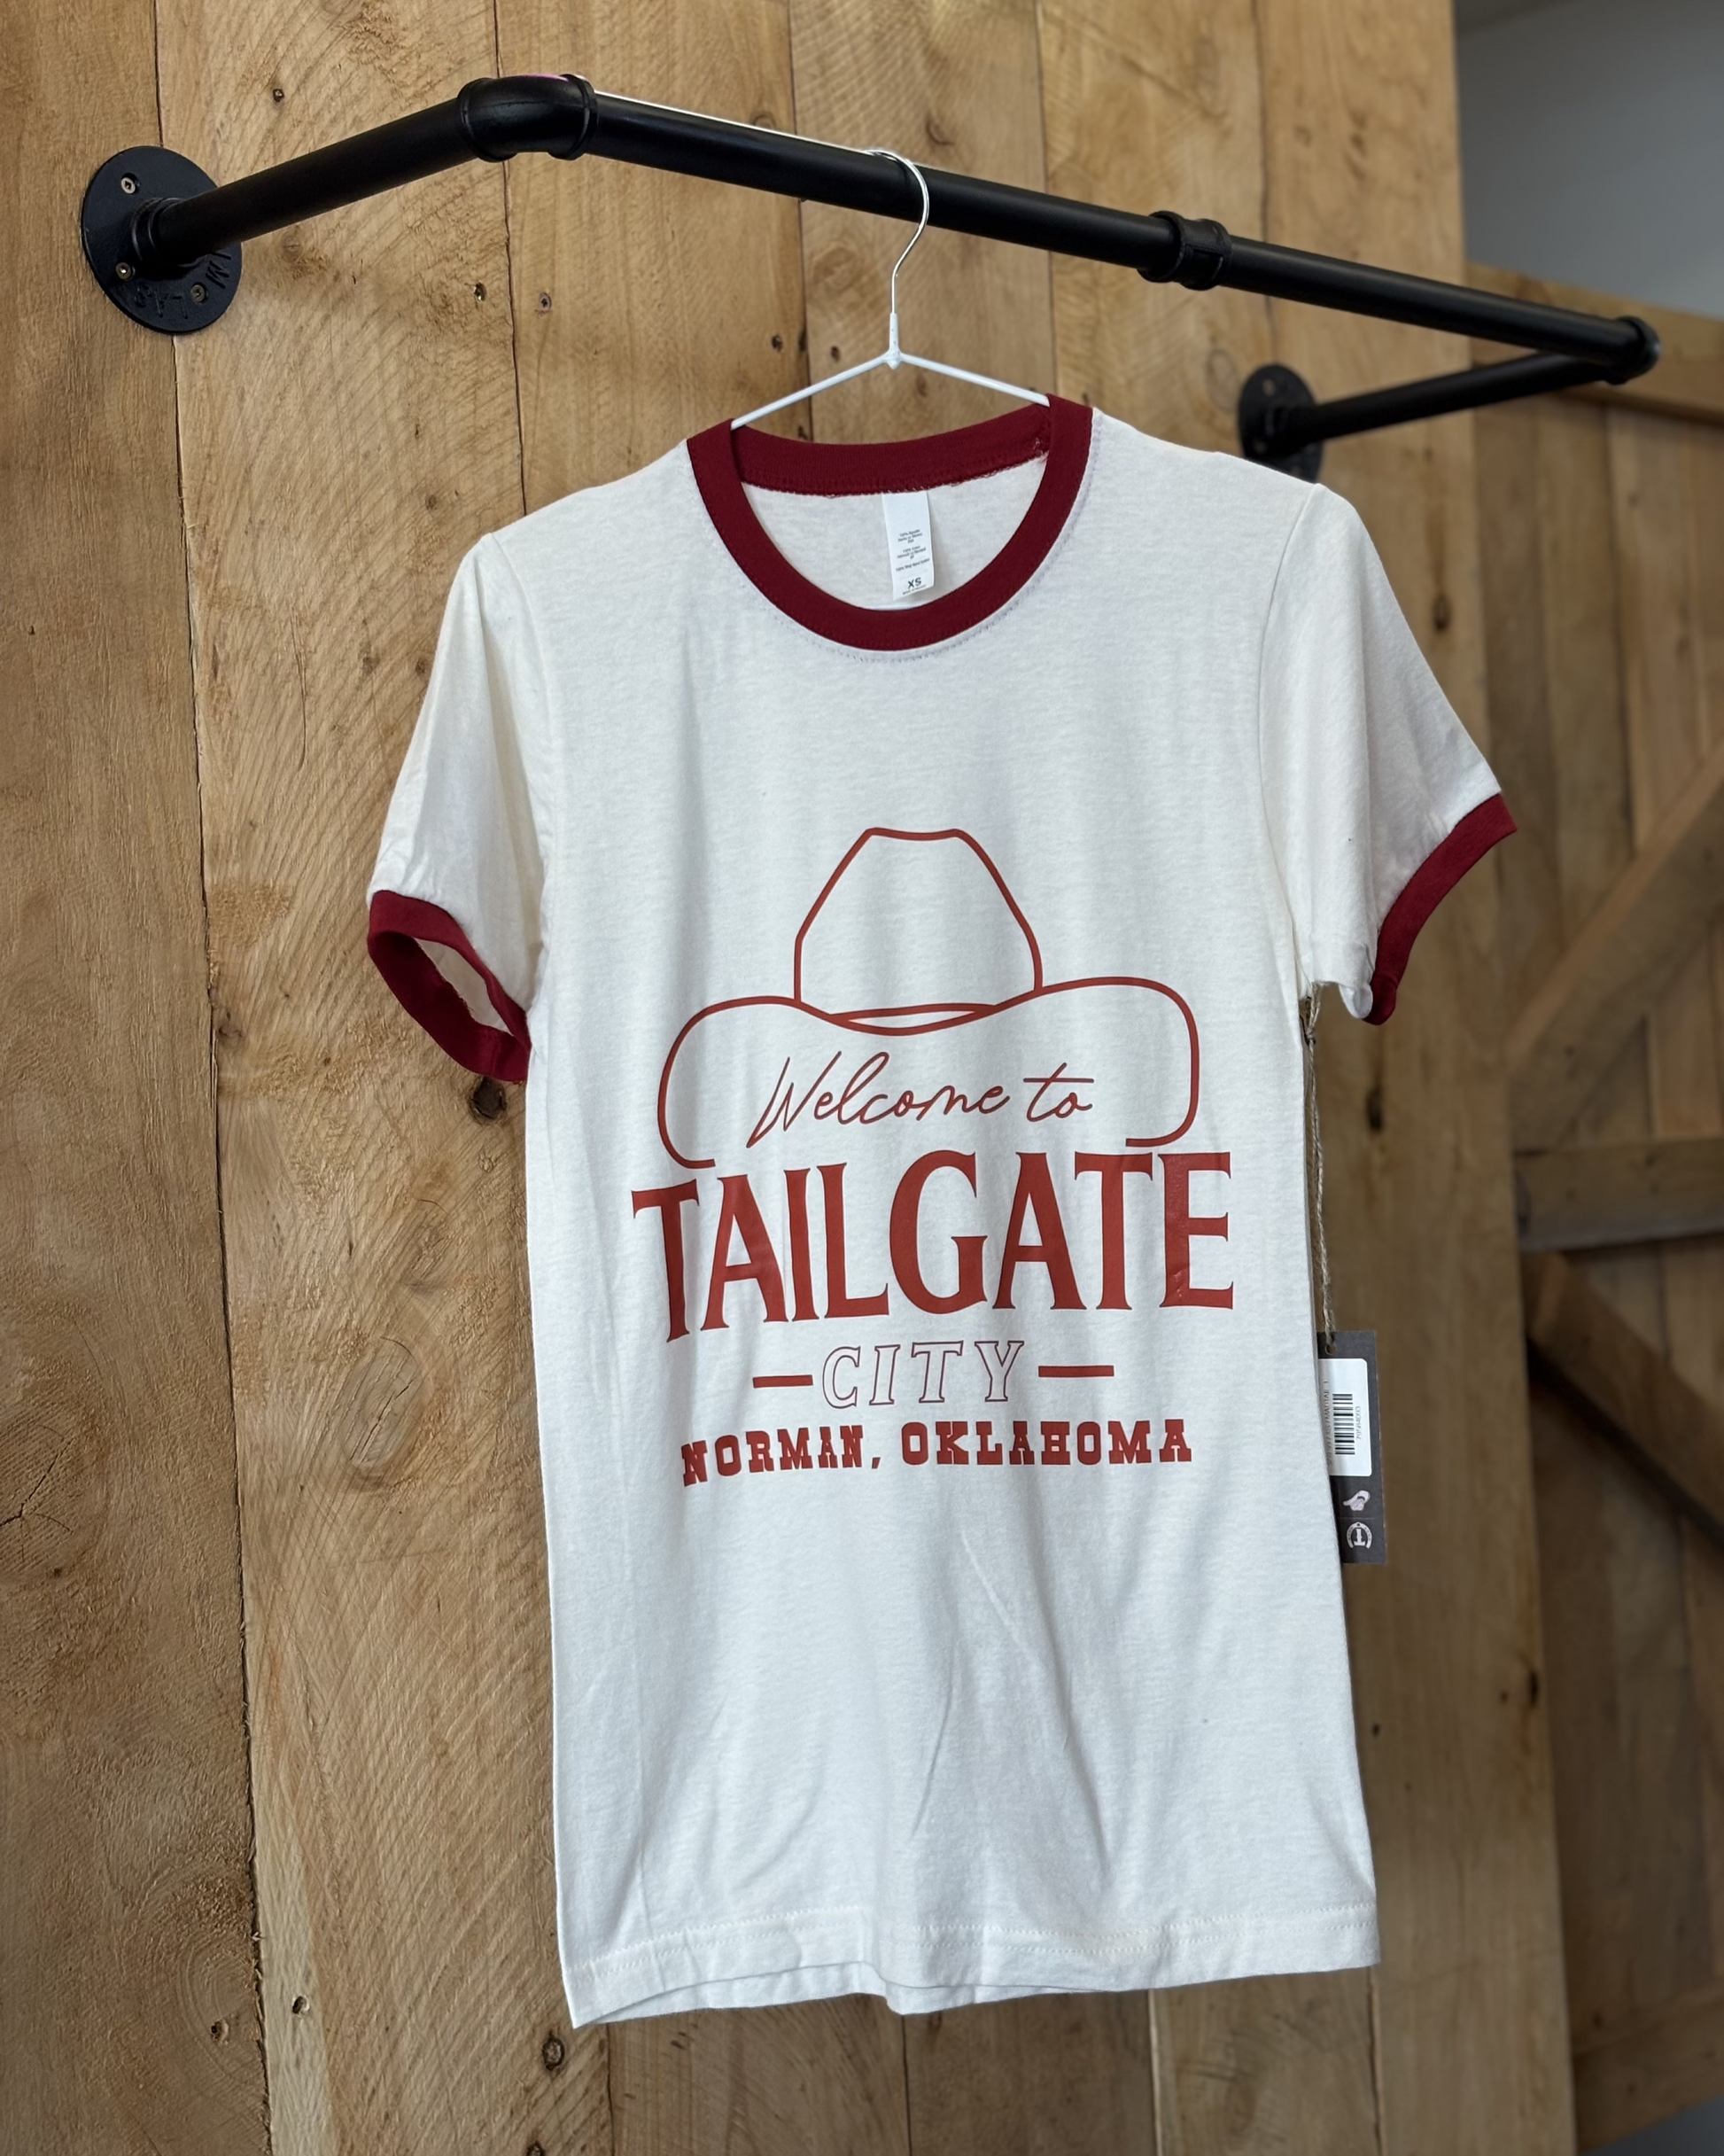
944	1586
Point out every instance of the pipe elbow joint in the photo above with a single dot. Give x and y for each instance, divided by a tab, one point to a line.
1646	355
502	115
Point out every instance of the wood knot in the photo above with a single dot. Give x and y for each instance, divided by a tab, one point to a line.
375	1415
488	1100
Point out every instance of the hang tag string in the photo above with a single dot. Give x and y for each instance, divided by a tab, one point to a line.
1307	1026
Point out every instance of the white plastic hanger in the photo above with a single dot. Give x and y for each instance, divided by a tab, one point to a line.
894	356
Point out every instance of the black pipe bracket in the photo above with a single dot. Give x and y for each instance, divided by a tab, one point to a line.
1282	425
1270	393
174	301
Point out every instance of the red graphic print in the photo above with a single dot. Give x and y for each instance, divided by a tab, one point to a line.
970	943
918	996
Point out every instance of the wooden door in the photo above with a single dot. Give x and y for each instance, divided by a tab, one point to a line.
1603	521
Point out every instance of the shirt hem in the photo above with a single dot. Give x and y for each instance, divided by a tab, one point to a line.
922	1968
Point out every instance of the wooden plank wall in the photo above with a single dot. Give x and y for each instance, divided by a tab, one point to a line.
1603	557
128	2012
394	381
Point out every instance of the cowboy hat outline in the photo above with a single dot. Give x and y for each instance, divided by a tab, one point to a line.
906	1020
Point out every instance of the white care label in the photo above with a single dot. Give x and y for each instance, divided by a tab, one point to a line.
1344	1384
909	543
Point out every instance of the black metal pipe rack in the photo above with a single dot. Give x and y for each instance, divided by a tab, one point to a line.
163	241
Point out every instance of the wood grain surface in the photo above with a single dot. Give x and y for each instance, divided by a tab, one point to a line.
127	1983
1626	1388
1584	1484
775	2081
1625	529
1703	1596
1066	2076
648	305
953	87
1671	540
1591	1197
1277	2062
1472	2041
1654	925
1666	473
1553	651
350	431
1157	108
1688	383
1648	2069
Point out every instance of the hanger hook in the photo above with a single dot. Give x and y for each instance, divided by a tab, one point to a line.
910	165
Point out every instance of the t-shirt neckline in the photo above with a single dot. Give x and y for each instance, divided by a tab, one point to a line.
725	461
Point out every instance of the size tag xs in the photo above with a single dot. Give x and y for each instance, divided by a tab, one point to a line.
1352	1436
909	543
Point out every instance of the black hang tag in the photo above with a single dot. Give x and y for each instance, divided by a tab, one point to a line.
1352	1442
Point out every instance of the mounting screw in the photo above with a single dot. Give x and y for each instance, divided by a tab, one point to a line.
124	272
127	185
552	2052
199	294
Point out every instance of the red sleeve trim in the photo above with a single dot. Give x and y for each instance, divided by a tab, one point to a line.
397	926
1472	838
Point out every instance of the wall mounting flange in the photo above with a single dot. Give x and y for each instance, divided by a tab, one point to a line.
1268	393
174	301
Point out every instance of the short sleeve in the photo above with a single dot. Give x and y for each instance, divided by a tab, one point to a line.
1378	801
453	900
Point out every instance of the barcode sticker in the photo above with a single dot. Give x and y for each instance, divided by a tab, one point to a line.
1351	1438
1344	1384
909	543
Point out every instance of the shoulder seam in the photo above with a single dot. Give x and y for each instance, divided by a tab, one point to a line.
1293	530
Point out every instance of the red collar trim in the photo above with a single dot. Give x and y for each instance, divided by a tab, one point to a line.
723	461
